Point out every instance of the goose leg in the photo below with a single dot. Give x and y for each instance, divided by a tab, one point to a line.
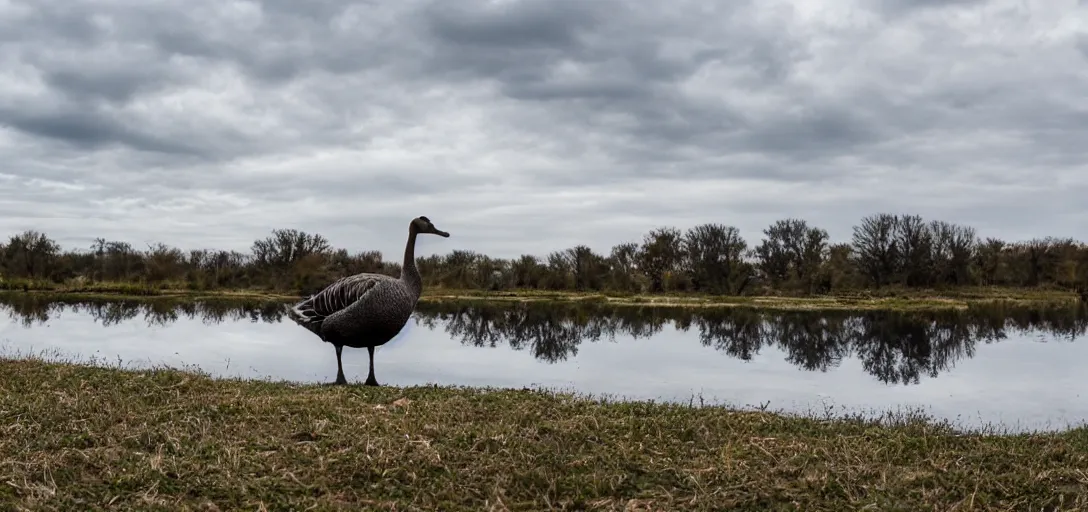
370	380
340	366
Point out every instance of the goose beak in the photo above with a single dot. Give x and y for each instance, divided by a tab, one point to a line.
441	233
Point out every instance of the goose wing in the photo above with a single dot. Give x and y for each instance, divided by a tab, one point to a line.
337	296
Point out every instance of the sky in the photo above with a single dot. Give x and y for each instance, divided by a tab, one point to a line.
527	126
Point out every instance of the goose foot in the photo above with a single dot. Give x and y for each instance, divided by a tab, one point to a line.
371	381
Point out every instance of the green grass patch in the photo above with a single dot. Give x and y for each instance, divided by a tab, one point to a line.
75	437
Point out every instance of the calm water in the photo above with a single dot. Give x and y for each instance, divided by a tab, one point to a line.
1019	368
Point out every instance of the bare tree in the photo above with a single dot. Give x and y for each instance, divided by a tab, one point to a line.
30	254
287	246
953	250
915	245
875	247
713	255
662	252
792	252
623	267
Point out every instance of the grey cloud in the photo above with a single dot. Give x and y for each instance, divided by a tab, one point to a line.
620	74
286	40
906	6
99	70
60	22
87	130
550	25
818	131
116	86
523	44
524	126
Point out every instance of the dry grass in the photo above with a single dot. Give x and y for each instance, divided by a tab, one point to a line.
93	290
891	298
886	299
80	438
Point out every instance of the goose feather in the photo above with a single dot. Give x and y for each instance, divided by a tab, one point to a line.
336	297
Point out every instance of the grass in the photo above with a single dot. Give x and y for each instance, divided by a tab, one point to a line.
887	298
76	437
108	289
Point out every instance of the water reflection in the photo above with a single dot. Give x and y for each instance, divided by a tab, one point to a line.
29	310
893	347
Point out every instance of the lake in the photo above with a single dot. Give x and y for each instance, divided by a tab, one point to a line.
1017	368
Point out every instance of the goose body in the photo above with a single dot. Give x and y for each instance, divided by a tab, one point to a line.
366	309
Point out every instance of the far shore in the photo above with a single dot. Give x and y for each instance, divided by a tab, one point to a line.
895	299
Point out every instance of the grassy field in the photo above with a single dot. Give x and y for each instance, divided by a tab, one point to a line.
81	438
890	298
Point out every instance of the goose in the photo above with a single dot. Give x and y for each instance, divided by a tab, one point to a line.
366	309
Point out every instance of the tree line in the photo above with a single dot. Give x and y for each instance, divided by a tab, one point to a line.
793	257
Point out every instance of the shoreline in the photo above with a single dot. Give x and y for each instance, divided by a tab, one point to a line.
892	299
171	438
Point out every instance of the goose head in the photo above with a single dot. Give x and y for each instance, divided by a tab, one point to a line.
422	224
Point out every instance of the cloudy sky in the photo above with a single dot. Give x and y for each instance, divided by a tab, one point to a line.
524	126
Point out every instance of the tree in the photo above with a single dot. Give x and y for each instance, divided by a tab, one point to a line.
459	269
838	270
623	267
528	272
989	259
953	249
287	246
292	259
30	254
875	248
713	255
164	262
915	250
792	253
661	253
560	271
589	268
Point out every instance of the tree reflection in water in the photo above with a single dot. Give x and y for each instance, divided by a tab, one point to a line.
895	347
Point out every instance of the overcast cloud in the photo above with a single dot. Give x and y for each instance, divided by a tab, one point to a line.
525	126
